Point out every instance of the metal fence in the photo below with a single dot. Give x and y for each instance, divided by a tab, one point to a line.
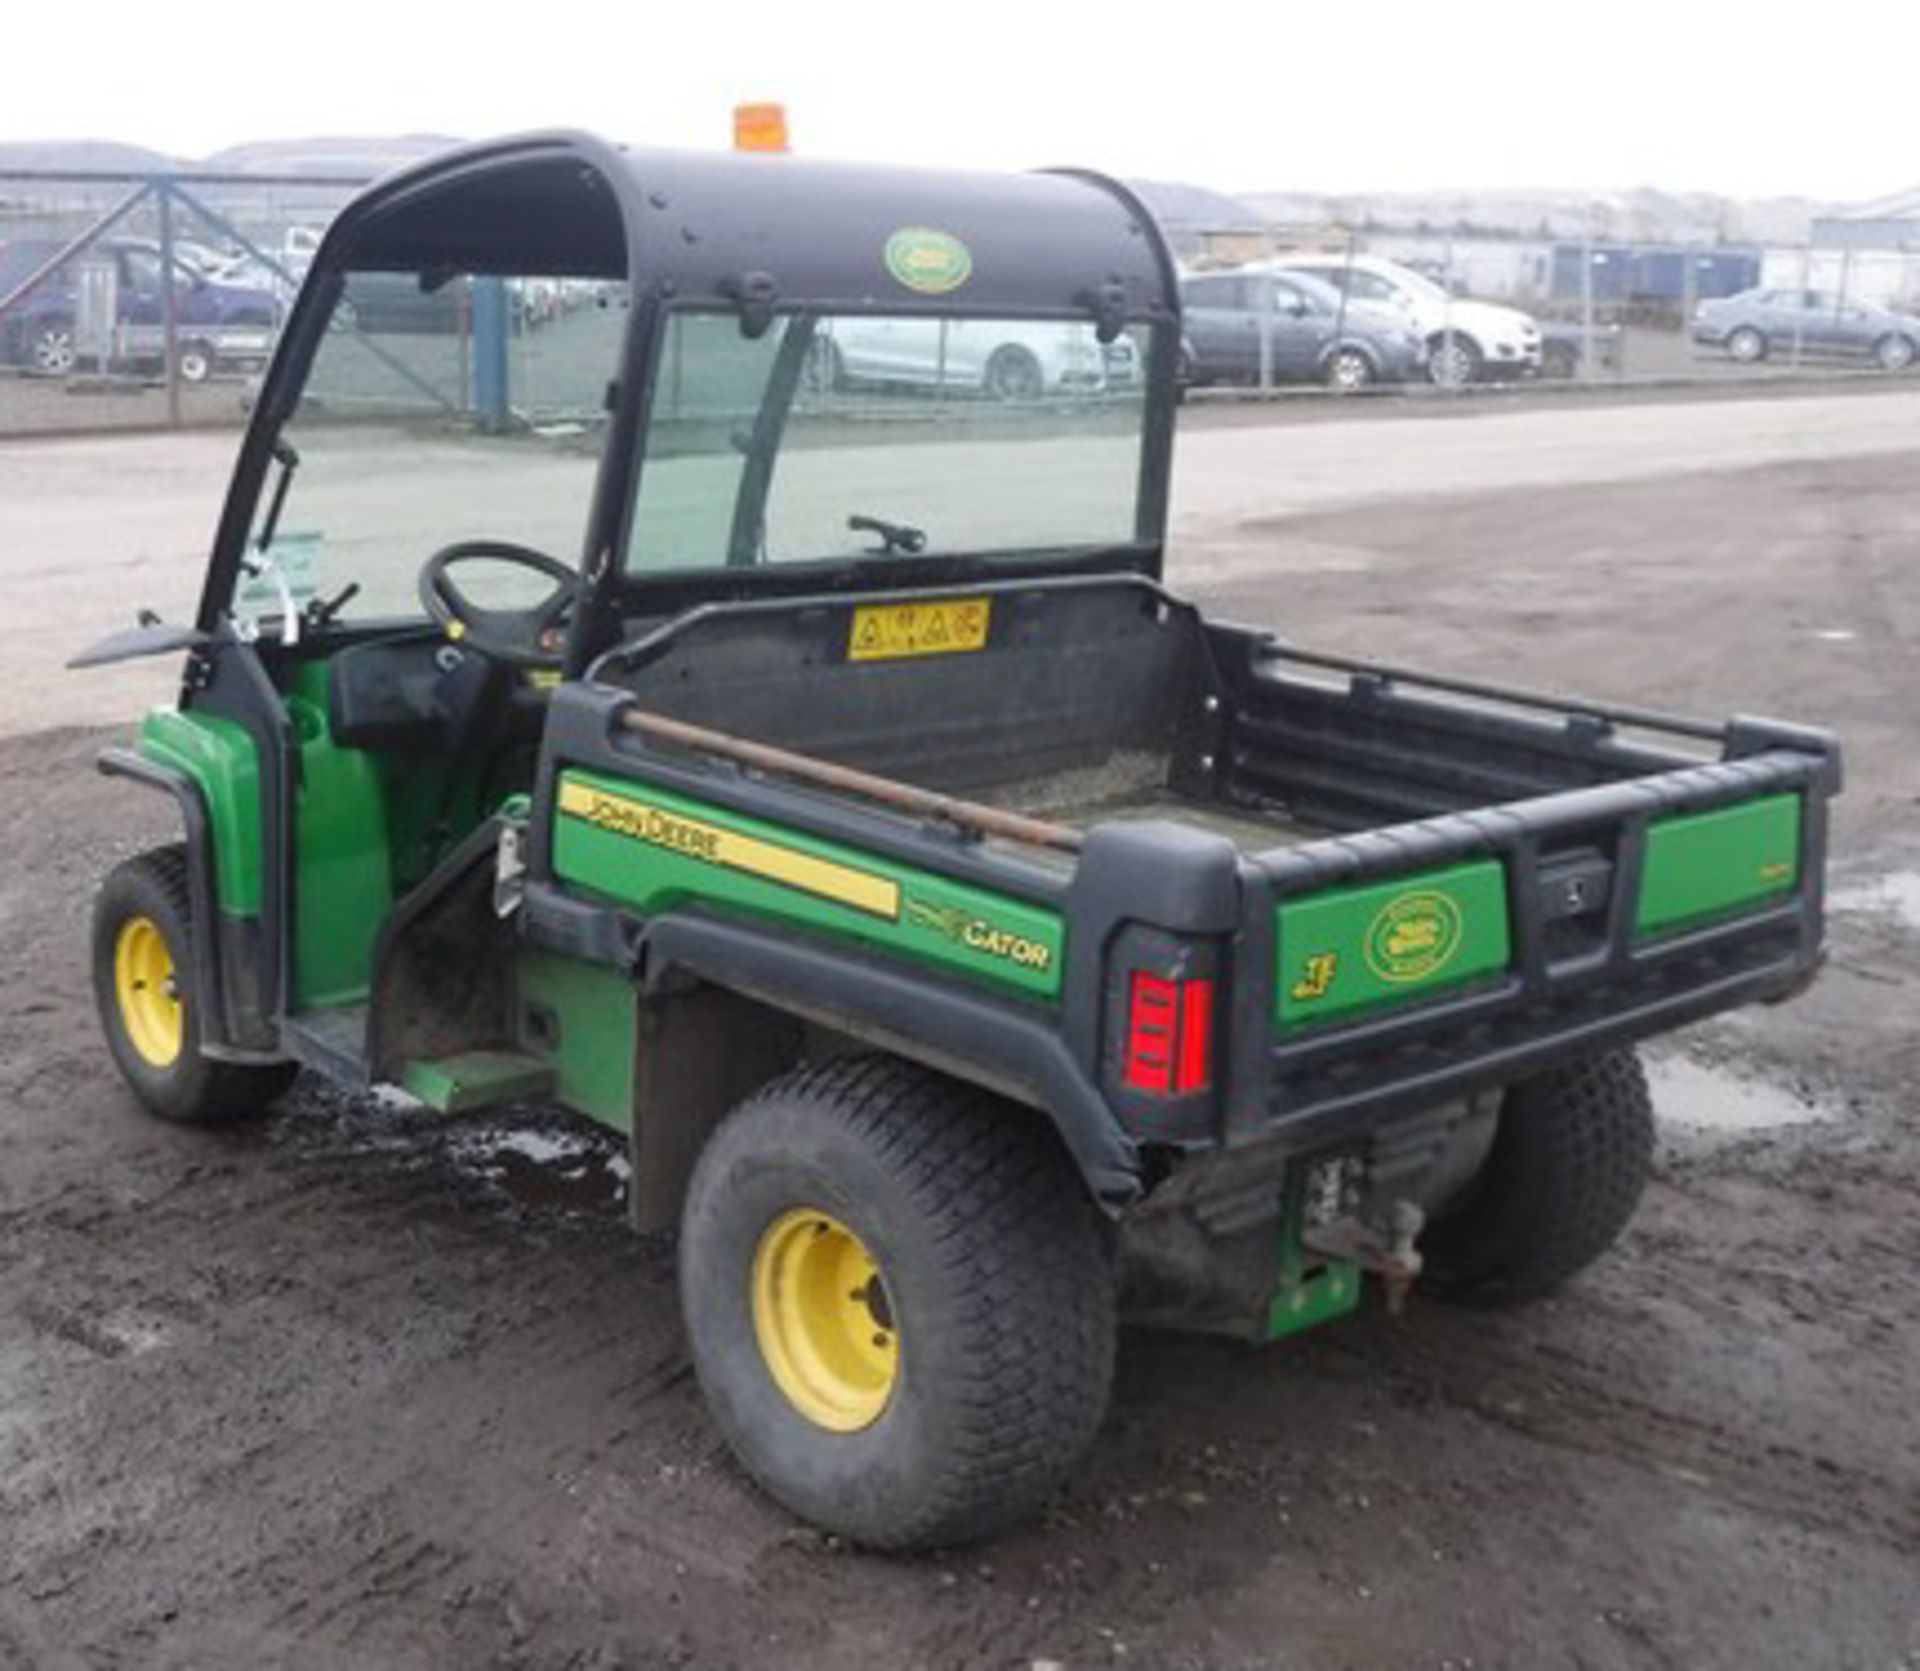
142	300
1511	310
154	300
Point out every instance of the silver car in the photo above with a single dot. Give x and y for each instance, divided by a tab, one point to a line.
1815	324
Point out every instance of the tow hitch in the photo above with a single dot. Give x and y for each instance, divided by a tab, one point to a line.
1383	1250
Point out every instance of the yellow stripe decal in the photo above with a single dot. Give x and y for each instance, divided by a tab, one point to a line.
711	844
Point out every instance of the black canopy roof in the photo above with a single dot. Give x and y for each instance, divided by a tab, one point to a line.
698	225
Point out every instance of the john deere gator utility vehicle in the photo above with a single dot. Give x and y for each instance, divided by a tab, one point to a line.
736	700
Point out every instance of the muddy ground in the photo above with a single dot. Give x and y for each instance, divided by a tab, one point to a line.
354	1387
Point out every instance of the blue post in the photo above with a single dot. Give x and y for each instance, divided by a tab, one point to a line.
490	353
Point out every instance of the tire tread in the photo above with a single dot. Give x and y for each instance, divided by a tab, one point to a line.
1005	1214
1566	1171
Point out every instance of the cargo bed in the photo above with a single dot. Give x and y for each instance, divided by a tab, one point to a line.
1414	886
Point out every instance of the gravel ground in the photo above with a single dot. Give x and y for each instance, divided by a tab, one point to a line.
356	1386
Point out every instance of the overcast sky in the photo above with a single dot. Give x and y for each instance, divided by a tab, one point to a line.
1332	96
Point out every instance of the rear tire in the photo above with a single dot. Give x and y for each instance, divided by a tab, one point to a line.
1348	370
1559	360
1568	1165
52	350
194	361
1013	374
975	1271
143	984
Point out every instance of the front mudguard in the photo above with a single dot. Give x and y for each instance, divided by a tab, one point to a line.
219	1037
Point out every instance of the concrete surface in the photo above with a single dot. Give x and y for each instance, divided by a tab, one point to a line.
98	527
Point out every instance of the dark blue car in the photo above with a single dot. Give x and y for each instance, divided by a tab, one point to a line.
215	323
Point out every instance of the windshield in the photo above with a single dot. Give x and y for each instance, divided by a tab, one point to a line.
1418	284
837	436
471	408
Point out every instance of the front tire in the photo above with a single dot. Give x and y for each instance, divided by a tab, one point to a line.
898	1301
143	984
1453	360
1747	346
1568	1165
1893	353
826	371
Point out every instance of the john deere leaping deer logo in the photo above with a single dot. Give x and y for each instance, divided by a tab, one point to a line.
930	262
977	934
1413	936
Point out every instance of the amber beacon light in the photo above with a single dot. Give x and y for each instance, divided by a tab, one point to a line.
760	127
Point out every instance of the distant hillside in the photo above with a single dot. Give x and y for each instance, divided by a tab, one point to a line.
351	158
1180	207
1185	210
104	155
1642	213
322	156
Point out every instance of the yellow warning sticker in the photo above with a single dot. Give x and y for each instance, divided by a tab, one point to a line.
939	627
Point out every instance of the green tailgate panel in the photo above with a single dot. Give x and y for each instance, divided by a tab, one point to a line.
1708	864
1359	948
654	850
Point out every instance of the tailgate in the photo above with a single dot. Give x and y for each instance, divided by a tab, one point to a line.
1405	965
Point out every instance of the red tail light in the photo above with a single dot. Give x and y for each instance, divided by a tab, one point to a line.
1169	1035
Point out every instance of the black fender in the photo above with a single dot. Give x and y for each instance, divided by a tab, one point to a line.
956	1031
216	1033
995	1043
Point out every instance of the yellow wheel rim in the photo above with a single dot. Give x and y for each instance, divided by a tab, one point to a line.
824	1320
148	991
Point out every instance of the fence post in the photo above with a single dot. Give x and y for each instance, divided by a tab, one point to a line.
490	352
169	314
1265	280
1800	313
1586	296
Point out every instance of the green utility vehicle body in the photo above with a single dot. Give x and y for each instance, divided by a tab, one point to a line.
1258	934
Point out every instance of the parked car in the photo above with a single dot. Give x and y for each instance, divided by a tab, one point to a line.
1317	336
1004	359
1759	323
215	323
1466	340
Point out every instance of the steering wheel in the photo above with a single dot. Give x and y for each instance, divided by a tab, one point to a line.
528	637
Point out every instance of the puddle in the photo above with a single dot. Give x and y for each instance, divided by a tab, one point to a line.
545	1167
1691	1094
1835	635
1895	895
